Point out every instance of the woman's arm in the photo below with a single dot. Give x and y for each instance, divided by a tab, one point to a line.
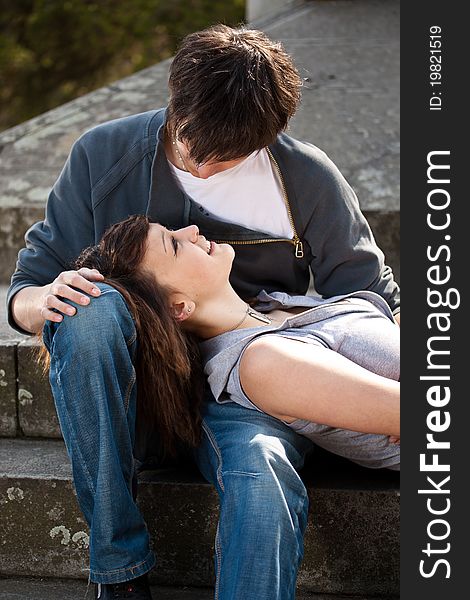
290	380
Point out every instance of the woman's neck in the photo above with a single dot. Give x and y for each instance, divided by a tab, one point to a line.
221	313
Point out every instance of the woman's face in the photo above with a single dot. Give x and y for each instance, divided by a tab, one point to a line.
186	262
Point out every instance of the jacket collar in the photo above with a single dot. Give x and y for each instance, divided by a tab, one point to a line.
167	201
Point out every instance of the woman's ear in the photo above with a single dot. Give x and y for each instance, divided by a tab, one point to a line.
182	308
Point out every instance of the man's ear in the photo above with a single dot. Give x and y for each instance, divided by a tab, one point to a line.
182	307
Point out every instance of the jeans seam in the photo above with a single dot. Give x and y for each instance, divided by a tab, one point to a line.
72	436
218	554
303	499
132	339
114	571
129	341
213	443
218	548
245	473
130	387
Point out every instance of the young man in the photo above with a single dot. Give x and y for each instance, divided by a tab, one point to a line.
215	157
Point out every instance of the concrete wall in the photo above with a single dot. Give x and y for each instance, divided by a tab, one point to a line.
260	9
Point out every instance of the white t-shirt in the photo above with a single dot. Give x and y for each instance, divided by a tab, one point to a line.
249	194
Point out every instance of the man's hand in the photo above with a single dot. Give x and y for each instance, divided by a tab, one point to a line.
60	288
397	318
32	306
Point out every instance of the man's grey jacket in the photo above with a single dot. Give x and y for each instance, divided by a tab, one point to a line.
119	168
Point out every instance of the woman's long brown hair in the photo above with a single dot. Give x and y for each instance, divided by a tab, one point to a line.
169	374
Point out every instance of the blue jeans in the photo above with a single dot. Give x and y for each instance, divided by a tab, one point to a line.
251	459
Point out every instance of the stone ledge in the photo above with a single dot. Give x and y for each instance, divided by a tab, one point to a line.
8	389
385	225
351	544
60	589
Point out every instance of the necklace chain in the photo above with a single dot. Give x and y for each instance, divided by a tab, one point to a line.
253	313
180	155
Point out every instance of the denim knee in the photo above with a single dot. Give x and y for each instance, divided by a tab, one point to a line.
266	507
252	459
106	320
268	483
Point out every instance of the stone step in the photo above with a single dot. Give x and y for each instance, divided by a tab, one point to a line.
62	589
9	404
26	402
351	544
53	529
348	55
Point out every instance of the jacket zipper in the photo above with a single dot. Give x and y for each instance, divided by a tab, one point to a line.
296	241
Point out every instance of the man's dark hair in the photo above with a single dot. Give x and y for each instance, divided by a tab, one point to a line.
232	91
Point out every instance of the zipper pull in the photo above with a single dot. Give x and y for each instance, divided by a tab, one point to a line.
299	249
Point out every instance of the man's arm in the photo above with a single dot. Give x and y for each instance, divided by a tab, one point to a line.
51	245
346	257
32	306
102	158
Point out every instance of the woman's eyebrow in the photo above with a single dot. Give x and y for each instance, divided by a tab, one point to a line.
163	240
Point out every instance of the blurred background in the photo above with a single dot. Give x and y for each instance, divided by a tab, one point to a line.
52	51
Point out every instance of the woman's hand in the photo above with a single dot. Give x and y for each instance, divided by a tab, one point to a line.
60	288
394	439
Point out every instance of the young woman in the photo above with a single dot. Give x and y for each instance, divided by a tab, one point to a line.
320	366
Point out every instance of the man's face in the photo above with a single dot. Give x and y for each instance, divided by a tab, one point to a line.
207	169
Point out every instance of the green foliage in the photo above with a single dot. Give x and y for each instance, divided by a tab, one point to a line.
52	51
